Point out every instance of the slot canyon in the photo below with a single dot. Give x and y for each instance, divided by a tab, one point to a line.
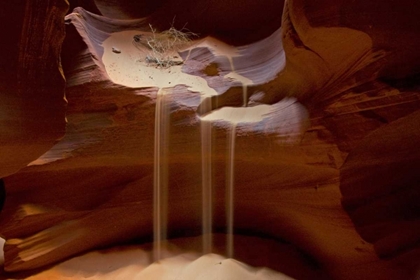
210	139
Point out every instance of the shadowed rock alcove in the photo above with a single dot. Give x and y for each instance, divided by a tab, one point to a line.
278	142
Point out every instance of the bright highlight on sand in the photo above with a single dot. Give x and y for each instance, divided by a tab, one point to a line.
129	68
240	114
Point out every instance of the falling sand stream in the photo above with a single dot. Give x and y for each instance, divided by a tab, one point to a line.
206	144
127	67
160	176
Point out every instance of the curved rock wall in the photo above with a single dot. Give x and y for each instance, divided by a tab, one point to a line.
32	102
340	130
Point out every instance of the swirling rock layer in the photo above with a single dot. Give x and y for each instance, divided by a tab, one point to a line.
330	166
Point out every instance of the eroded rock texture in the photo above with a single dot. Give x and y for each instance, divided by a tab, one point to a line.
341	86
32	85
384	202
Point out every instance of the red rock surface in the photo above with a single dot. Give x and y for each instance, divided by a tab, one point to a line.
32	85
384	202
338	180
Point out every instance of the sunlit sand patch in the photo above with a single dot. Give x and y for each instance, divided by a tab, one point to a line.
133	264
240	114
130	69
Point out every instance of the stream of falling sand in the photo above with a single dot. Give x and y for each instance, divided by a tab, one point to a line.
207	188
206	154
123	68
160	179
206	151
230	184
207	193
230	180
206	173
230	191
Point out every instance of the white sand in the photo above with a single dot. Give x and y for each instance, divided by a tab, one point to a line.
240	114
133	264
129	68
